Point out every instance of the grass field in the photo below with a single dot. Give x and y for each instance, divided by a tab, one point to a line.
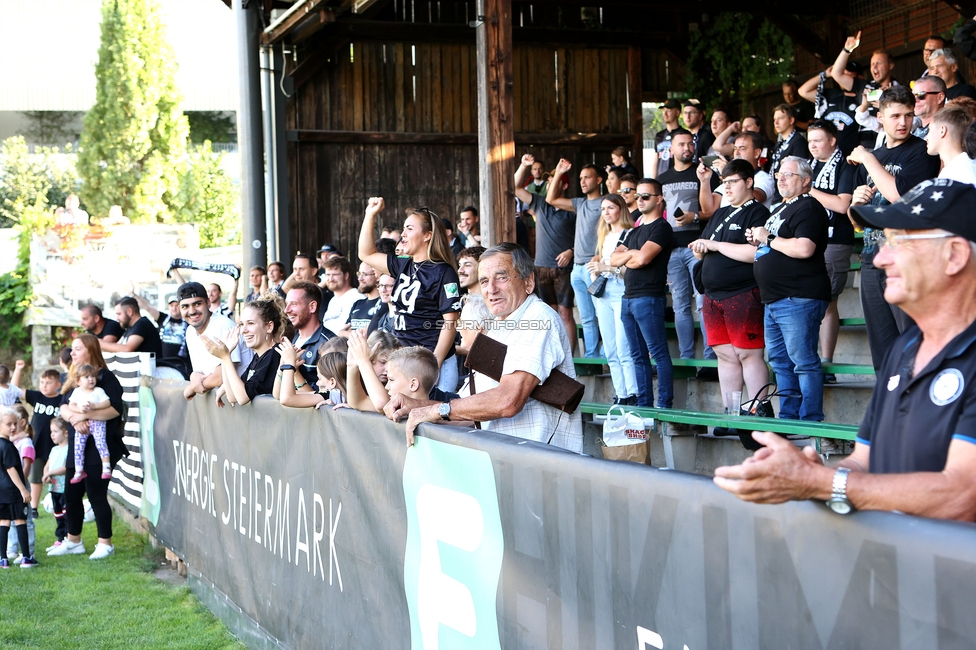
73	602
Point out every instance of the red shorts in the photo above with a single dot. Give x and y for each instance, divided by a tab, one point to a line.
737	320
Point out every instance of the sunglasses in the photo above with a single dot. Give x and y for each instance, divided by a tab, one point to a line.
646	197
627	190
922	94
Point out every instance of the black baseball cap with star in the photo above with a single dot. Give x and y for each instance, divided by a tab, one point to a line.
937	203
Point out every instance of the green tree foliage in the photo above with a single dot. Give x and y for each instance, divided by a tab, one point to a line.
734	55
30	185
209	198
210	125
133	146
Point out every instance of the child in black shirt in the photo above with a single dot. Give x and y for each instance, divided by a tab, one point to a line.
14	495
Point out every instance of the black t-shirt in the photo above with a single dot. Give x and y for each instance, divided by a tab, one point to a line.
9	457
909	163
259	378
804	111
310	356
362	312
680	191
45	410
555	231
781	276
650	280
841	107
172	337
796	145
150	336
110	328
703	141
723	276
422	294
382	320
911	420
113	428
836	179
960	90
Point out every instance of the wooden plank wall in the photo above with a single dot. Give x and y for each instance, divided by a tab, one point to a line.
371	88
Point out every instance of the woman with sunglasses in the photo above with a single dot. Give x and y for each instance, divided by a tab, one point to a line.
426	295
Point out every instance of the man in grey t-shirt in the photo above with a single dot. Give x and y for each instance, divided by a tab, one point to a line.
555	231
587	211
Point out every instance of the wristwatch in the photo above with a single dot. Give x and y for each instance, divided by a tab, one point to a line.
838	497
444	410
769	238
697	218
286	366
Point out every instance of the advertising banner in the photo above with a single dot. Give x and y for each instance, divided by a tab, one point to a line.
327	532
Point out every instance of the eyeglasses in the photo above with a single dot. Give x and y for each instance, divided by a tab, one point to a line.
895	241
386	287
922	94
646	197
785	175
366	275
627	190
730	182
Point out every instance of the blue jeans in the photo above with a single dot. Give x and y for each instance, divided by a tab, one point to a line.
580	279
680	266
643	320
447	380
615	343
792	328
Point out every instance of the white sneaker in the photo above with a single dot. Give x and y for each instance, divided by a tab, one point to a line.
52	547
101	552
18	559
68	548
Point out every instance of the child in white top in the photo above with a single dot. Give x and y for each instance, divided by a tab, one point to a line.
8	394
86	398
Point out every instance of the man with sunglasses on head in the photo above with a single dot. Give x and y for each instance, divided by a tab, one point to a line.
915	451
880	179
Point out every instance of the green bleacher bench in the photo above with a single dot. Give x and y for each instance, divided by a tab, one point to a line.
852	322
684	368
750	423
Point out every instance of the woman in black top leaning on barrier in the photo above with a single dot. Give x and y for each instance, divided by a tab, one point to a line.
86	350
260	326
427	293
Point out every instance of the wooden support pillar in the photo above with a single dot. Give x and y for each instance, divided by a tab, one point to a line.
496	129
634	94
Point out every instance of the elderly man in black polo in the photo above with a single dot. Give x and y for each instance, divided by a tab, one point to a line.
537	345
916	448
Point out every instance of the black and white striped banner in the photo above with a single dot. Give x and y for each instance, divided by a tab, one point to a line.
129	367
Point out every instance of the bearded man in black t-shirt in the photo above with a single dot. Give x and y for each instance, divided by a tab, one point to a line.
882	177
141	334
795	289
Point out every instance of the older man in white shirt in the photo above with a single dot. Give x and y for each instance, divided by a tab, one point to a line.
537	344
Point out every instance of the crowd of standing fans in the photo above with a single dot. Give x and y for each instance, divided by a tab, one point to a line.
754	235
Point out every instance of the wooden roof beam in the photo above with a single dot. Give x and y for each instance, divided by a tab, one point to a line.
298	23
799	32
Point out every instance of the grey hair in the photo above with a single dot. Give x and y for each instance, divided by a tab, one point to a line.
520	259
950	58
803	167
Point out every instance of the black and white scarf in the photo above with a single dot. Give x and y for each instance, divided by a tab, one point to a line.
782	144
820	102
181	263
827	176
